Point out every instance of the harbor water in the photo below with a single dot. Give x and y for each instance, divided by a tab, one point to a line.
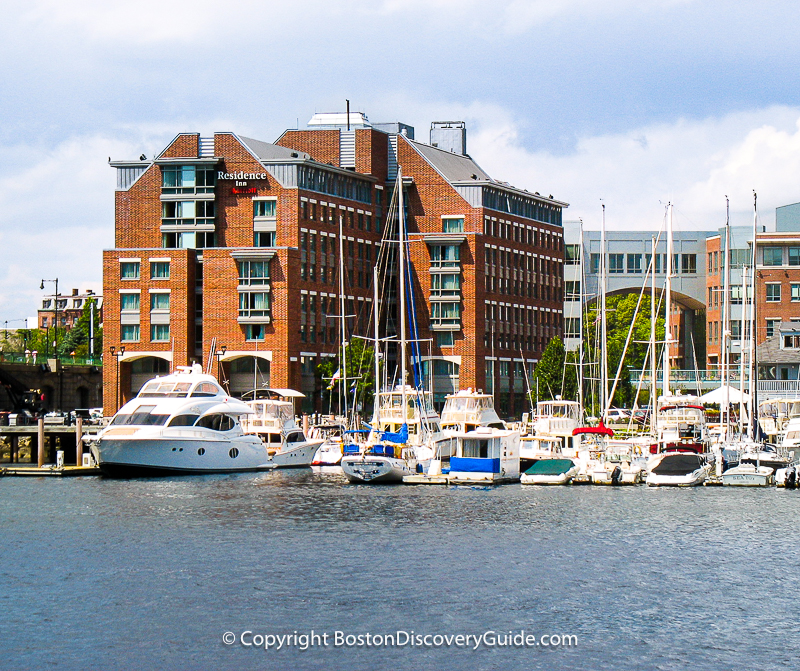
145	574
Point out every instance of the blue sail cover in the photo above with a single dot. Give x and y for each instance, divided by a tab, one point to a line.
400	437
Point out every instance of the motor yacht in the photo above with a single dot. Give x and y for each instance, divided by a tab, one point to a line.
676	469
179	423
273	421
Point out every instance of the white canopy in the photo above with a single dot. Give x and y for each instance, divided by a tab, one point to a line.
718	396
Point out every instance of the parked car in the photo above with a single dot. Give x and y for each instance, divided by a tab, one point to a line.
618	415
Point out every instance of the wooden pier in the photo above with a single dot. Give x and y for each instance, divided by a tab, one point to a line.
45	443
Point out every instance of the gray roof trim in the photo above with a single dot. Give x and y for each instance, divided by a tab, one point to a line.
266	152
770	351
511	189
183	160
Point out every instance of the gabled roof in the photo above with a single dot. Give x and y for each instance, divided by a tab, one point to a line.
453	167
265	151
770	351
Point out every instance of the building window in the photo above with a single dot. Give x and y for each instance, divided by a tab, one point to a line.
159	270
254	331
159	332
736	329
129	270
253	304
572	327
740	257
264	239
188	240
445	283
795	293
791	342
689	264
453	224
445	338
572	255
773	293
446	314
736	294
129	333
772	325
594	262
773	256
159	302
253	273
572	290
794	256
634	263
129	302
445	256
616	263
264	208
187	179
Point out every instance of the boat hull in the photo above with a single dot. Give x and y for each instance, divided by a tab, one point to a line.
693	479
119	457
742	476
297	456
374	469
328	455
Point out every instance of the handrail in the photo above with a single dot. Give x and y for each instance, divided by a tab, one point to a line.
39	359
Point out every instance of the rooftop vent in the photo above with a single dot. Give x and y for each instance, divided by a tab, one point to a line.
450	136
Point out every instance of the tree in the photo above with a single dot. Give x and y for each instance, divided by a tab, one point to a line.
360	374
619	316
555	373
77	338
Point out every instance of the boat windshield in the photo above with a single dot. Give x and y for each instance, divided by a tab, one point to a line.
273	410
141	416
169	389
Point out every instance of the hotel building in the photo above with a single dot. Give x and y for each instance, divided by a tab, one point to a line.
227	252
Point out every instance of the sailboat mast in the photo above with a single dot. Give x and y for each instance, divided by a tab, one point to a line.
751	431
581	261
402	293
742	371
668	302
343	322
376	315
726	322
653	346
603	326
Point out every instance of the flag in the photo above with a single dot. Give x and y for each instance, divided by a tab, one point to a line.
335	377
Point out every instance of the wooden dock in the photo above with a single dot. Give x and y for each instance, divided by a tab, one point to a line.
46	440
48	470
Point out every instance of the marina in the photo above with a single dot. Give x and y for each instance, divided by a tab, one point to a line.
278	551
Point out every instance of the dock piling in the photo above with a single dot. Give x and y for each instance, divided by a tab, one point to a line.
40	442
78	441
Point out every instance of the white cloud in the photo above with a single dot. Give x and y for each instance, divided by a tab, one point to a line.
695	164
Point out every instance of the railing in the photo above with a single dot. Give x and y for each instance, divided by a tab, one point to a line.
711	379
712	375
21	357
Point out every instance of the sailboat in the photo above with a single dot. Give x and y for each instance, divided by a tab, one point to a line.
405	436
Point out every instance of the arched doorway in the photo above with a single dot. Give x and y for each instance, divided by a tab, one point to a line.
143	369
242	373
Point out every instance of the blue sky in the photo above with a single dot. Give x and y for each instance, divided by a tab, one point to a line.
634	102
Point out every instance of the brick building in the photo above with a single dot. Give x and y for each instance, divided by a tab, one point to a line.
227	252
66	309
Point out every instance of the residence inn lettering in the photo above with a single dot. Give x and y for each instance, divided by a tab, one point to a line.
241	187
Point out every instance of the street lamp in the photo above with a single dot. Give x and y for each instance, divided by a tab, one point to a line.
117	354
41	286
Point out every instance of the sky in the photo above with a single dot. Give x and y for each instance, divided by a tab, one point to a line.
628	103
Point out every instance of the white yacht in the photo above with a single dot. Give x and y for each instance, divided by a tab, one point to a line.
467	410
485	455
180	423
535	447
558	418
677	469
551	471
748	475
681	425
272	421
330	452
405	438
